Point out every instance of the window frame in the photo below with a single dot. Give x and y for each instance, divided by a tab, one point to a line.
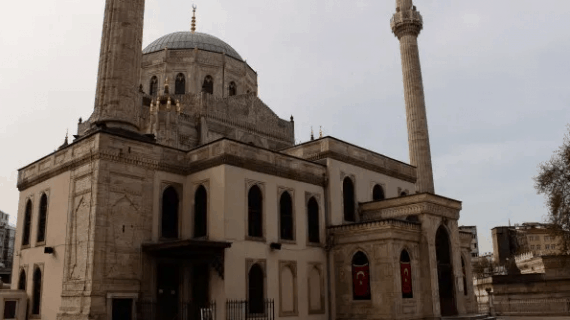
354	202
263	266
33	299
250	184
316	198
27	224
38	241
291	192
178	189
176	83
205	186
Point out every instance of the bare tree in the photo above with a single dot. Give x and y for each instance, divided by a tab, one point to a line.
553	181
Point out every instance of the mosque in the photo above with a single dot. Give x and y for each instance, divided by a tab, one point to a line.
184	196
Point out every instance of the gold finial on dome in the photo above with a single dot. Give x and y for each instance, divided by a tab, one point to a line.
193	29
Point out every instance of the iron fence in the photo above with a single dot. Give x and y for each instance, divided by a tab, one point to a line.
181	311
250	310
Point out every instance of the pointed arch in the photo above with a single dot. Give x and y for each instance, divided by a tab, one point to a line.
232	89
378	193
361	277
286	231
42	219
200	212
447	297
37	291
22	280
27	223
153	86
313	220
208	85
406	275
255	212
180	84
256	289
348	199
170	204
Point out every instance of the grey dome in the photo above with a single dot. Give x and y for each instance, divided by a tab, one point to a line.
188	40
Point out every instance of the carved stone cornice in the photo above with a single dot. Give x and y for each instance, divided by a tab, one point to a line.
375	225
339	150
221	152
424	203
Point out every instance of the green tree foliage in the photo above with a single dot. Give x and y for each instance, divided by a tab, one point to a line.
553	181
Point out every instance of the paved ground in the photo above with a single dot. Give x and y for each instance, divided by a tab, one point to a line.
533	318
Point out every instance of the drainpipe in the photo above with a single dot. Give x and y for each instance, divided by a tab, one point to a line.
329	242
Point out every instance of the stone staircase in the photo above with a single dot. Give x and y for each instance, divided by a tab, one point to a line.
470	317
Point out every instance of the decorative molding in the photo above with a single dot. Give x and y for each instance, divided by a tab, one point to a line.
319	267
374	225
291	265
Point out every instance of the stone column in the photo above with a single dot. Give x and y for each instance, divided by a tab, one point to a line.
406	25
120	65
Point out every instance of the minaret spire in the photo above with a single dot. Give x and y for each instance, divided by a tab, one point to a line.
406	25
193	29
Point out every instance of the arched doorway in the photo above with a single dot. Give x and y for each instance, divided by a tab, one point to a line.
445	273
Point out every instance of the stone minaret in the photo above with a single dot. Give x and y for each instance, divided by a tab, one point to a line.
116	97
406	25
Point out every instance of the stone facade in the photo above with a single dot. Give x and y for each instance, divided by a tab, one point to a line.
195	201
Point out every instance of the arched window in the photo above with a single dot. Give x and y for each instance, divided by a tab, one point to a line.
406	275
22	280
464	277
286	216
378	193
42	218
27	223
233	89
255	212
180	86
153	87
208	85
256	289
170	213
200	212
360	277
313	220
37	291
348	197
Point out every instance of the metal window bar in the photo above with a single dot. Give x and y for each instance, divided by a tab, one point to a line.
240	310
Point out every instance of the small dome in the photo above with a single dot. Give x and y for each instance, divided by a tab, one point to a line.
188	40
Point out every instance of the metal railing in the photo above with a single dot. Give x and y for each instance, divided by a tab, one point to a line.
250	310
184	311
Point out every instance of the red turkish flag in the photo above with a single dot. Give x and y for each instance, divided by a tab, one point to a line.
360	280
406	270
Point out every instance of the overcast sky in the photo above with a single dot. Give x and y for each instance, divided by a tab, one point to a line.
496	77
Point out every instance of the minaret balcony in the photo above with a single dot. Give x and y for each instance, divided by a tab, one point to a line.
405	18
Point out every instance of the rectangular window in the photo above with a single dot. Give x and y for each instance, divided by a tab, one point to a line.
122	309
553	247
10	308
538	247
547	247
532	247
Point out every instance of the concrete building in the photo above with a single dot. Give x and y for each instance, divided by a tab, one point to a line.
528	237
184	196
474	239
7	234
